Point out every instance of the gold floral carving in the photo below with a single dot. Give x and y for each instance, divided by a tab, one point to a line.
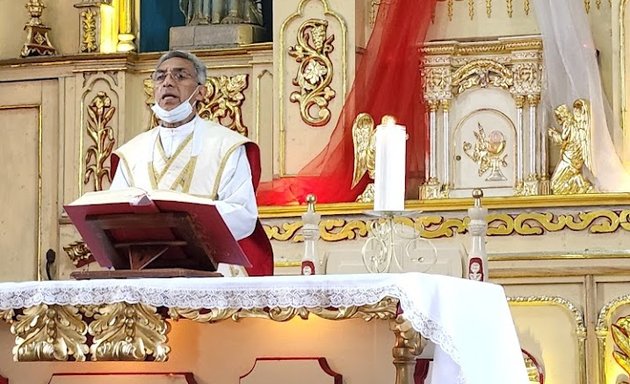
88	25
481	73
450	10
620	333
510	8
471	9
123	331
79	253
315	72
383	310
223	101
100	112
499	224
489	8
526	7
49	333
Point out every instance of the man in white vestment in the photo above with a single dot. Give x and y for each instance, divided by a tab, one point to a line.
188	154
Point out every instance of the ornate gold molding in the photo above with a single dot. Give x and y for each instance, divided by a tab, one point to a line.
100	112
374	7
481	73
315	72
383	310
470	7
435	226
123	331
49	333
407	347
223	101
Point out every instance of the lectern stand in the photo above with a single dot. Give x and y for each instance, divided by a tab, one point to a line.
157	238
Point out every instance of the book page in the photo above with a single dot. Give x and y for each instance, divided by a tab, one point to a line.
137	196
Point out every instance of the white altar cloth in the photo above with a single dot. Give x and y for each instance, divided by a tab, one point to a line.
469	322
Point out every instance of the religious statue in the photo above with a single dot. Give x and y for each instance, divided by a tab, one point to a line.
363	137
200	12
574	138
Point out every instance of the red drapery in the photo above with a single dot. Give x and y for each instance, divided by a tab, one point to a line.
387	82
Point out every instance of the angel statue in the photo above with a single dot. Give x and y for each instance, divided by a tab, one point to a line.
363	138
200	12
575	146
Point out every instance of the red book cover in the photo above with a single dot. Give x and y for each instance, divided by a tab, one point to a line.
214	238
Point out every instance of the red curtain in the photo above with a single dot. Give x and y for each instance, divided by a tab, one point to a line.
387	82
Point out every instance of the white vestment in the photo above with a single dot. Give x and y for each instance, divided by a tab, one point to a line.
201	158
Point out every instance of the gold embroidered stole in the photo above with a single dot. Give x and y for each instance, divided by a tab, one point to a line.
174	173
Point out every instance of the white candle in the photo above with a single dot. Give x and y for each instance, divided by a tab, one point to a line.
389	172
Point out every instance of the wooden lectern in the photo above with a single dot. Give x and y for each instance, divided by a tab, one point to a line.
164	234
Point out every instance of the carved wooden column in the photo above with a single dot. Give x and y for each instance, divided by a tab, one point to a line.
519	186
408	346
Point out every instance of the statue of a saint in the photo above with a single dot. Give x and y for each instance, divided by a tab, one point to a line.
199	12
574	138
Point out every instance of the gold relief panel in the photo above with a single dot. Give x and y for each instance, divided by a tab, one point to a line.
223	101
481	73
314	27
386	309
468	6
79	253
315	72
123	331
433	227
49	333
100	112
88	31
437	84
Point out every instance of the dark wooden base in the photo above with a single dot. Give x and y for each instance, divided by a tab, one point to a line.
142	273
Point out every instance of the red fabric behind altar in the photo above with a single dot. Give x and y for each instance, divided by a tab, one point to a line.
387	82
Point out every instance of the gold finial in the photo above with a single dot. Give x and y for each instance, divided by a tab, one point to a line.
388	120
311	200
477	194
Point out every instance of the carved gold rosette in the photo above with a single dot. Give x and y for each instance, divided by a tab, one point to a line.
100	112
315	72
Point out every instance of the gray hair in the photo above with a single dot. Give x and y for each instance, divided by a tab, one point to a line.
200	67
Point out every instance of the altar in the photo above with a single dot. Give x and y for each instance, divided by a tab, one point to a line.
129	320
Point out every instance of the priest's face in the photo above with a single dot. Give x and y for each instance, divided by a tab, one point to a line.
174	81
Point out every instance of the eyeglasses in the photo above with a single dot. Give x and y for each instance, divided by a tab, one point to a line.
177	74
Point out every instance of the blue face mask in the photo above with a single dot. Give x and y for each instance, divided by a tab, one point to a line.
179	113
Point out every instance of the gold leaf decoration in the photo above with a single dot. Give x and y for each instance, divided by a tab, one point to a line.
88	25
435	226
79	253
383	310
100	111
123	331
223	101
49	333
7	315
315	72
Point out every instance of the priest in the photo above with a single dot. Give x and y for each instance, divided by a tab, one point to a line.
188	154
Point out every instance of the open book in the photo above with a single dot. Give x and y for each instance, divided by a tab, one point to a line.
137	229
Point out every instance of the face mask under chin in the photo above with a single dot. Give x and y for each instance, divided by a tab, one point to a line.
177	114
